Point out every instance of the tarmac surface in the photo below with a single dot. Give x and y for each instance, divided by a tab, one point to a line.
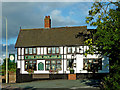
59	84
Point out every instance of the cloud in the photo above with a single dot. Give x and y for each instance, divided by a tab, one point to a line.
60	19
26	15
31	15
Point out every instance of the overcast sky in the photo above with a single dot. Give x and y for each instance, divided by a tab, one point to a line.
31	15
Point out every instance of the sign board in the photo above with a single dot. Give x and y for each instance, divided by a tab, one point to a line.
43	56
12	57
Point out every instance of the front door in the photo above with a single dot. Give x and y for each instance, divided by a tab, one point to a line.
40	66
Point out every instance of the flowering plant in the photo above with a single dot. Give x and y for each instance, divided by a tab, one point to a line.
30	71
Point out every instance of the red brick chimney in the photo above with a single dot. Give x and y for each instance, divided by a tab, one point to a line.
47	22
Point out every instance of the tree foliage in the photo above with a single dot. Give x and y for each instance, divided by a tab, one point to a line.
106	17
11	66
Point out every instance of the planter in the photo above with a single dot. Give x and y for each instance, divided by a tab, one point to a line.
71	76
71	71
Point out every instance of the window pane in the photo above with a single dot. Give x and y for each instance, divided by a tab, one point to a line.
69	49
34	66
53	62
57	50
73	49
47	67
53	67
69	63
47	62
26	67
30	50
58	67
26	62
30	61
30	66
93	60
90	60
34	50
34	61
53	49
49	50
58	62
26	50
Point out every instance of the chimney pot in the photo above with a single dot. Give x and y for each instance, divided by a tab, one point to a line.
48	16
47	22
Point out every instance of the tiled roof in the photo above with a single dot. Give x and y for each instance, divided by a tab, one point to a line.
63	36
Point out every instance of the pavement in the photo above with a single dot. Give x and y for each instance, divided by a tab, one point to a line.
55	84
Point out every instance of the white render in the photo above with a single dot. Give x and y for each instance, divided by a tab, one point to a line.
78	62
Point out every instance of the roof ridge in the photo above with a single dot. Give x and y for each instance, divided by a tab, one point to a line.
52	28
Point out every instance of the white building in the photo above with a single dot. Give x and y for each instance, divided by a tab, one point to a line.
56	49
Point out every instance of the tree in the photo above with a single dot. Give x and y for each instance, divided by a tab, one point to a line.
11	66
106	17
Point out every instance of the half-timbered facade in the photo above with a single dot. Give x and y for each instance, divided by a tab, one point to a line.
45	50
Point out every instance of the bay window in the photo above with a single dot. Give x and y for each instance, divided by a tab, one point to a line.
30	64
53	65
89	63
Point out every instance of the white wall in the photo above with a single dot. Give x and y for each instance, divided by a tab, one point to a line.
18	51
18	64
38	50
79	61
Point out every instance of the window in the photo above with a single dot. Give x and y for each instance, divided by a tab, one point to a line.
90	64
53	50
70	63
57	50
47	65
26	50
53	64
30	64
78	49
30	51
34	50
71	50
49	50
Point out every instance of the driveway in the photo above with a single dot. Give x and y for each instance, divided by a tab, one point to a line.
56	84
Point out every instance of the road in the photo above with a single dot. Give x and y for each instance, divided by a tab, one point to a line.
56	84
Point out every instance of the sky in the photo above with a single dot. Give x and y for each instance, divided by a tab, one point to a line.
31	15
